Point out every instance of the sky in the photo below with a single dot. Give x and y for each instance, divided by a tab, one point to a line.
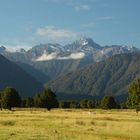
25	23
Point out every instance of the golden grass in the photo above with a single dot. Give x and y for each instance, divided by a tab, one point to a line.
76	124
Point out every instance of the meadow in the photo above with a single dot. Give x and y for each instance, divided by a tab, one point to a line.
69	124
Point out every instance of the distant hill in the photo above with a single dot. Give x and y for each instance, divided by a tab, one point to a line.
109	77
12	75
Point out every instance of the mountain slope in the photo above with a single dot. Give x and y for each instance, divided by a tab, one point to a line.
109	77
38	75
13	75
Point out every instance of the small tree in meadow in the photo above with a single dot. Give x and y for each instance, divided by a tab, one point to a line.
134	94
10	98
46	100
108	102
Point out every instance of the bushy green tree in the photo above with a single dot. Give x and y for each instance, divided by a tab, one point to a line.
46	100
108	102
10	98
134	94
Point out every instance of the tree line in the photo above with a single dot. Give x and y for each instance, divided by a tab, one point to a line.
9	97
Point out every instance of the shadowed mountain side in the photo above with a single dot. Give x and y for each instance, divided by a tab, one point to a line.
38	75
12	75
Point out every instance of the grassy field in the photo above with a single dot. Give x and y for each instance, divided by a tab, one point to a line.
33	124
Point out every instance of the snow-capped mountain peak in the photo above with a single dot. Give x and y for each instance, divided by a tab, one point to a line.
80	49
84	41
86	45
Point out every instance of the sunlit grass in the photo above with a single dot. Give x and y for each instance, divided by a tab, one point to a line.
58	124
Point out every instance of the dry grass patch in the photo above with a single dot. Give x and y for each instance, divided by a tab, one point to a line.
76	124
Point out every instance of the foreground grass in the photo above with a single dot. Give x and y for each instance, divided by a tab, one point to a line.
60	124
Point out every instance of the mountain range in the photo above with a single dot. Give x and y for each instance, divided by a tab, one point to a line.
54	60
82	69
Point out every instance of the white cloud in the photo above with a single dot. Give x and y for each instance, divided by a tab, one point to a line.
54	56
82	7
53	33
46	56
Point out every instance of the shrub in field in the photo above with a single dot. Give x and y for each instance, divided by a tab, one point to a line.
108	102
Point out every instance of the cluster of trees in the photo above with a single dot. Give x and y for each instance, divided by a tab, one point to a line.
9	98
107	102
85	103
